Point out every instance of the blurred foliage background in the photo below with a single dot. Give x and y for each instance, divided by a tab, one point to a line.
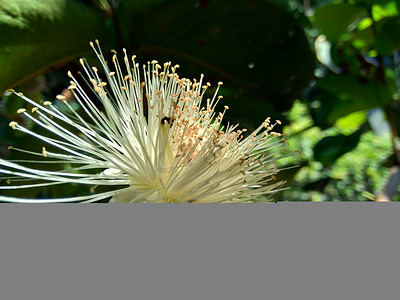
329	70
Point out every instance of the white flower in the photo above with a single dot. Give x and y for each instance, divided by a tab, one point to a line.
153	140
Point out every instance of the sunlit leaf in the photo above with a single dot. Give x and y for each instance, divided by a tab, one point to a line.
379	12
36	35
333	20
352	121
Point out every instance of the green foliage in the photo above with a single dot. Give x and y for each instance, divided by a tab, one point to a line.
357	43
357	175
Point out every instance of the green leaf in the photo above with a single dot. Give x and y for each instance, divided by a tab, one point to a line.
352	121
38	34
331	148
388	36
379	12
352	94
333	20
269	59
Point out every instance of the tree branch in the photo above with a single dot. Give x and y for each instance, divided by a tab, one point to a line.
390	188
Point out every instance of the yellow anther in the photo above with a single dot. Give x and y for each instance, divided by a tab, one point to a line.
13	124
44	152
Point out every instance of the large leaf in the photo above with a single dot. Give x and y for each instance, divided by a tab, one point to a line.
333	20
331	148
254	108
38	34
250	45
352	94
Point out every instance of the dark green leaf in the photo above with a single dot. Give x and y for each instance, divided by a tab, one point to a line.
251	45
331	148
38	34
388	36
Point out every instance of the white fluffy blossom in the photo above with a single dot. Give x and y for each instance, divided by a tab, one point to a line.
154	139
